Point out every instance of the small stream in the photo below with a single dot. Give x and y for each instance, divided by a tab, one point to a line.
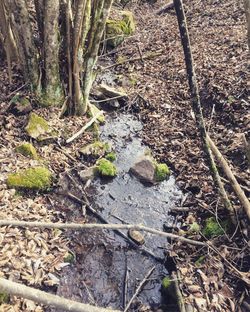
104	260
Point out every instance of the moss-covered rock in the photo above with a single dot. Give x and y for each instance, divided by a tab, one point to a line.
69	257
117	29
105	168
161	172
27	149
93	110
213	228
4	298
111	156
37	126
37	178
96	149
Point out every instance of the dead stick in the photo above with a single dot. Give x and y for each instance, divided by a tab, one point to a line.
139	288
79	226
47	299
197	104
235	185
76	135
148	56
180	301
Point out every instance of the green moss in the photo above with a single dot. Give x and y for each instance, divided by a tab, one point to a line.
194	228
161	172
105	168
118	29
166	282
213	229
111	156
28	150
37	178
200	261
37	126
4	298
69	257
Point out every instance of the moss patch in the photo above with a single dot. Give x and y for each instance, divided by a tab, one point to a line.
117	29
166	282
213	228
161	172
194	228
111	156
69	257
4	298
105	168
37	178
27	149
37	126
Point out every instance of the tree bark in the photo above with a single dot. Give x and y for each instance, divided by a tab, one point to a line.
24	39
100	12
53	90
247	10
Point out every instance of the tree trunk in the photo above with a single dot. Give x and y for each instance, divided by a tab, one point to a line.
25	42
52	85
247	10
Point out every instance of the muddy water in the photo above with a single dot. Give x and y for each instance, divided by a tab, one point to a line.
104	259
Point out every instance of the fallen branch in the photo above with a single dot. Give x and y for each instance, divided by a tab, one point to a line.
138	289
180	301
42	297
168	6
234	183
76	135
193	86
79	226
138	58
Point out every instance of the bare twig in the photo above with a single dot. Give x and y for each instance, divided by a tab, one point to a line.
138	289
193	86
79	226
39	296
176	277
235	185
138	58
168	6
76	135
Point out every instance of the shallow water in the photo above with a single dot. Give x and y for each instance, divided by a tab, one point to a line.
103	257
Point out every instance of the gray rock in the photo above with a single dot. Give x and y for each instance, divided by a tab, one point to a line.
87	174
144	170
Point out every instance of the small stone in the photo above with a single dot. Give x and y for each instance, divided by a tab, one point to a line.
37	127
87	174
96	149
93	110
136	236
144	170
27	149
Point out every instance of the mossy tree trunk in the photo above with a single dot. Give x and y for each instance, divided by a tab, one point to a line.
24	39
65	52
52	83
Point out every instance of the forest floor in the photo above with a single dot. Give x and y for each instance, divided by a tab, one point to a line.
159	98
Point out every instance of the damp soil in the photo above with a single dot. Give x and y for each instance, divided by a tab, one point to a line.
104	260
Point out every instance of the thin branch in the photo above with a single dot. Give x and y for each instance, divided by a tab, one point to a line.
47	299
76	135
196	103
138	58
79	226
234	183
138	289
